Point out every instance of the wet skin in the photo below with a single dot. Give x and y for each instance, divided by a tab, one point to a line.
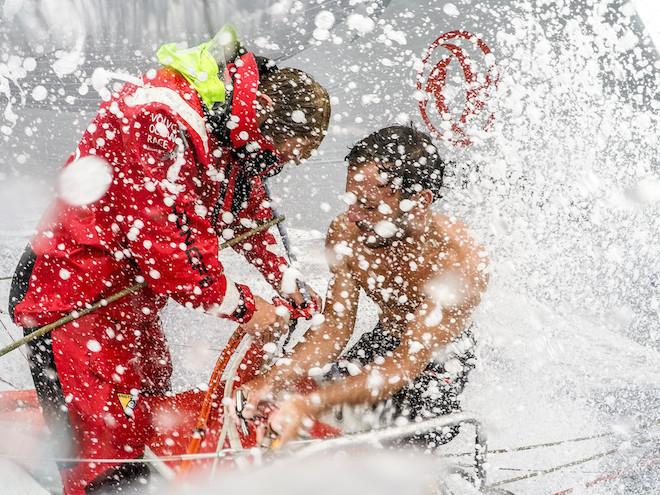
397	272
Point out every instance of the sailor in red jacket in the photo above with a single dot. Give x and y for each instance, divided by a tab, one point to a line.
183	175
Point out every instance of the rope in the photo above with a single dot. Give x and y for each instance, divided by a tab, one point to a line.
158	459
584	460
533	446
71	317
554	468
533	474
545	444
205	411
82	460
3	380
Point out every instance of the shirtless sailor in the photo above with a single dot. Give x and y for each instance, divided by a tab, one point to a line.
425	273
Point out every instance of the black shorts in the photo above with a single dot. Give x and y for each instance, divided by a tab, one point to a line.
433	393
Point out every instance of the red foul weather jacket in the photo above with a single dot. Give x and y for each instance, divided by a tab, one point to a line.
181	178
169	202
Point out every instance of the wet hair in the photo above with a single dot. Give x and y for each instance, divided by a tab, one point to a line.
301	106
407	156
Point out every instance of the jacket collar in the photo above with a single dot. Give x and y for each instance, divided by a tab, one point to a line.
243	124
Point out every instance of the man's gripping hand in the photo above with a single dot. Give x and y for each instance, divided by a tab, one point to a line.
304	300
267	322
292	418
256	393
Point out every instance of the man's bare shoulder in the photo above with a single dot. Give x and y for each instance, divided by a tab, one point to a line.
340	242
341	229
468	251
454	230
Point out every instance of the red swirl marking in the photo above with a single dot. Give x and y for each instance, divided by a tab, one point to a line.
434	86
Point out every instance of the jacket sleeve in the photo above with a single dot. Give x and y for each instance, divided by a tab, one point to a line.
261	249
168	233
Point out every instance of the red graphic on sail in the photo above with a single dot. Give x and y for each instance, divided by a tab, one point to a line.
478	85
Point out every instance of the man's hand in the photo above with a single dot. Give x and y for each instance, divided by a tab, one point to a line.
256	392
292	418
298	300
267	322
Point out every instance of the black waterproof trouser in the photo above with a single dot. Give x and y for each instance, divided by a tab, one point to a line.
433	393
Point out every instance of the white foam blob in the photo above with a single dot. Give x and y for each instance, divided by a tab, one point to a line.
324	20
321	34
349	198
93	345
385	229
289	278
298	116
84	181
100	79
282	311
29	64
445	291
270	348
450	9
67	63
406	205
317	320
39	93
360	23
384	209
646	191
162	130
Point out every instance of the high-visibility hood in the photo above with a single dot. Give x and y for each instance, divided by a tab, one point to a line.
202	65
199	68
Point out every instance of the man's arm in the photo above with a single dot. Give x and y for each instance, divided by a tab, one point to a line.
377	382
436	322
260	250
323	344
